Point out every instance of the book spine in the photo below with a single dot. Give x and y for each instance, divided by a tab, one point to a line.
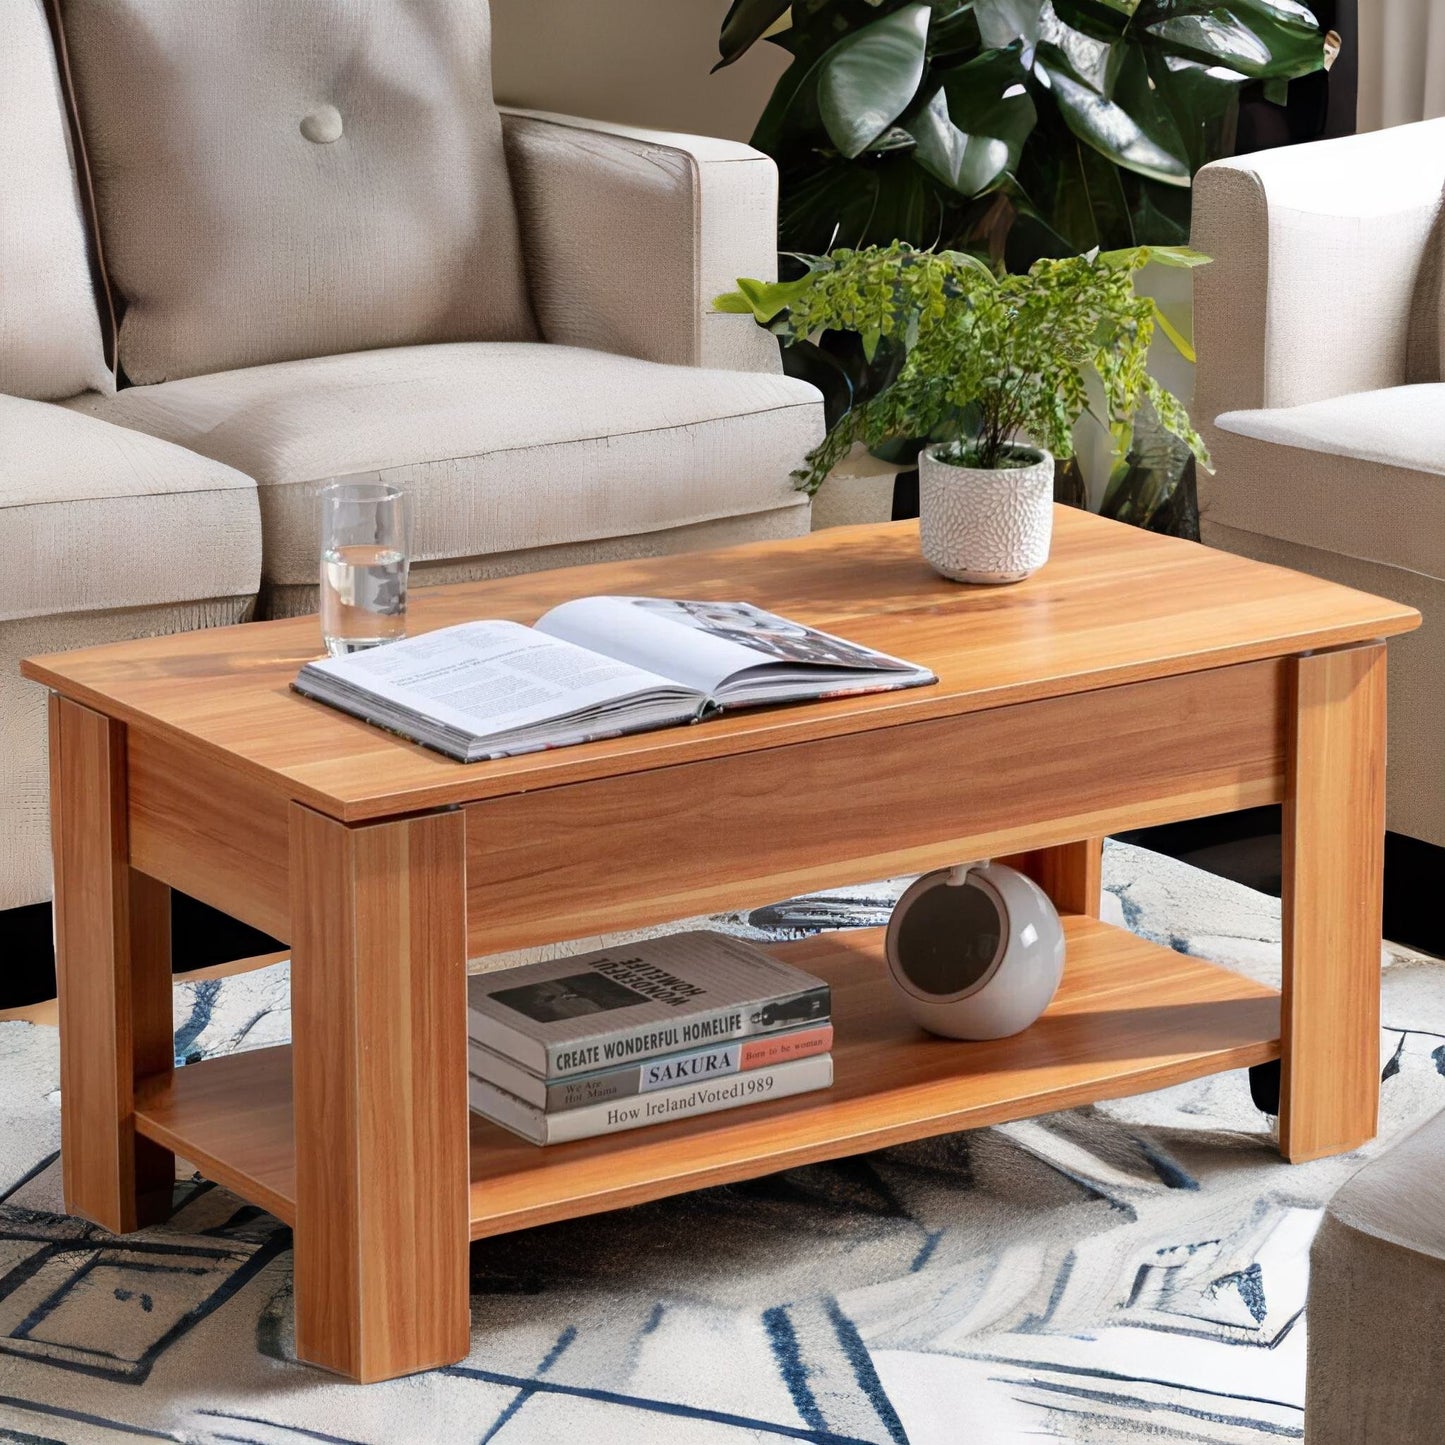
494	1068
780	1081
716	1026
672	1070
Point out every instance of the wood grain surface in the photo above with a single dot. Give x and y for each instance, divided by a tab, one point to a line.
1113	605
113	973
378	1026
233	1118
209	829
1334	858
1072	874
1129	1016
739	831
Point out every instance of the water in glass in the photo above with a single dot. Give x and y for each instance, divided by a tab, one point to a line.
365	555
363	596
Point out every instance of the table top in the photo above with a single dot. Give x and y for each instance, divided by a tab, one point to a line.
1112	605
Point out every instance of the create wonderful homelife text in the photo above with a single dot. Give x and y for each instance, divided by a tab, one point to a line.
656	1041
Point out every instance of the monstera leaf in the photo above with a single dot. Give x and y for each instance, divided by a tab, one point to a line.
1001	22
963	162
1105	125
988	95
748	21
1052	124
1185	108
1261	39
836	202
869	78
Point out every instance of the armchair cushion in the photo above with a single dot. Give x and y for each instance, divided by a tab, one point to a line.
50	342
279	180
98	518
1321	261
631	233
505	446
1361	475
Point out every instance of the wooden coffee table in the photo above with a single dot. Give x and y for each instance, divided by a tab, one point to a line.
1135	680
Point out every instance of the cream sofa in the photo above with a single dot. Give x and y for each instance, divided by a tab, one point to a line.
1319	382
248	245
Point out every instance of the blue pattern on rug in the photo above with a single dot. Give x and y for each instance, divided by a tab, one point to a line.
789	1359
1131	1271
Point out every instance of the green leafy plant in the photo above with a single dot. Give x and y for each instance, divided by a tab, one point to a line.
982	359
1016	128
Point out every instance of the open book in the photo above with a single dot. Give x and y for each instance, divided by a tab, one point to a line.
593	668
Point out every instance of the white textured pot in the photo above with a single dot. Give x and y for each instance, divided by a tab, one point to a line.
982	525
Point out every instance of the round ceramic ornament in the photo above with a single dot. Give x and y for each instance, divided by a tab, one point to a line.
975	952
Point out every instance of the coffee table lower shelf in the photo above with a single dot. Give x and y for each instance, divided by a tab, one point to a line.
1130	1016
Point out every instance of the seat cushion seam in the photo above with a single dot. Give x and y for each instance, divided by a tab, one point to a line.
128	497
538	445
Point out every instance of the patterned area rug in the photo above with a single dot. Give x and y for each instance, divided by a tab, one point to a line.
1135	1270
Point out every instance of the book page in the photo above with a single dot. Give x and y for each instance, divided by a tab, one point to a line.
643	632
703	644
491	677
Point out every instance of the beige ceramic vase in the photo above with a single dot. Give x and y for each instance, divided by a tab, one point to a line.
986	525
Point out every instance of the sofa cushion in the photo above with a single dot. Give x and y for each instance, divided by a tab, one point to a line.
1362	475
1400	1196
50	339
1376	1338
279	180
96	517
505	446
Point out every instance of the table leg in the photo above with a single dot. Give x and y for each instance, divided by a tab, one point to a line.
113	971
1071	874
378	999
1334	837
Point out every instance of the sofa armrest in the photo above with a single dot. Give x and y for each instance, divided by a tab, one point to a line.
629	234
1317	288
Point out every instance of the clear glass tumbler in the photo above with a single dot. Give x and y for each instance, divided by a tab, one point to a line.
365	554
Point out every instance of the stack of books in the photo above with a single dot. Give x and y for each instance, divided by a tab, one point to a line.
606	1041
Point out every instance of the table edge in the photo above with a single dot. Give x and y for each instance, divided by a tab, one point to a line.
793	725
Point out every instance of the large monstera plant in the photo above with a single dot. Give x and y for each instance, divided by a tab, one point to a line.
1016	128
1013	130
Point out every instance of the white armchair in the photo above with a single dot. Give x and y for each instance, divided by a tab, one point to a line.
1320	391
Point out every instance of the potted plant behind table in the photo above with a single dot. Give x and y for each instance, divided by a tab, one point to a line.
1015	129
992	369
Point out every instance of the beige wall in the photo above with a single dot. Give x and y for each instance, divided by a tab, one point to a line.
1402	61
640	62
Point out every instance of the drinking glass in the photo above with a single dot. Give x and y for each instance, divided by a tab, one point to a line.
365	554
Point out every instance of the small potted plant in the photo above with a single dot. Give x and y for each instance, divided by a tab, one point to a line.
990	371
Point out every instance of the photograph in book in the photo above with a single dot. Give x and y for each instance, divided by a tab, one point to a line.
658	996
596	667
760	631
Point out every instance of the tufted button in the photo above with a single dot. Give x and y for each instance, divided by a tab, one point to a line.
323	125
